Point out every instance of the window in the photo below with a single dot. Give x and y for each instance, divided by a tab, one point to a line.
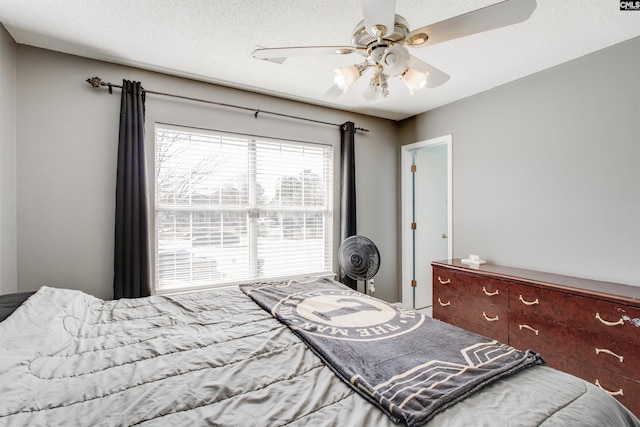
232	208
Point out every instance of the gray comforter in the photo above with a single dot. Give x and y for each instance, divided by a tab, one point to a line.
217	358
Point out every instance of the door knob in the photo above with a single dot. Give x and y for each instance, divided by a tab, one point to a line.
444	236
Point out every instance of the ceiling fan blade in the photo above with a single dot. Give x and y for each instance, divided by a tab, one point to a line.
435	78
379	12
489	18
279	54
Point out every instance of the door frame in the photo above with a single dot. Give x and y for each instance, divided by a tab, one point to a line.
406	203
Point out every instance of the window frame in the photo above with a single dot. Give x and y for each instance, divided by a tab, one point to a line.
331	234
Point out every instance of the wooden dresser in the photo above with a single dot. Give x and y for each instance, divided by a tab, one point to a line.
588	328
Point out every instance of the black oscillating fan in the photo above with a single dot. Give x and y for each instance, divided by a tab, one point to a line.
359	258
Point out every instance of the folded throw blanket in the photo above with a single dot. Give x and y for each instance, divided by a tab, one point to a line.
409	365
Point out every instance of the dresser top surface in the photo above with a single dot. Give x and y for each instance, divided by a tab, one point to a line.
607	290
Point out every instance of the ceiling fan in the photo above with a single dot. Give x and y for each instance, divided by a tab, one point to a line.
383	38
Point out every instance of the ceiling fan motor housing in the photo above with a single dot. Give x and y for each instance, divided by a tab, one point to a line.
361	38
387	51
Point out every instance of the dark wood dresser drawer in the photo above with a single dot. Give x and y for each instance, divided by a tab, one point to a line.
447	304
444	277
445	315
476	304
495	291
619	357
495	331
528	332
616	320
550	338
625	390
486	319
447	297
487	315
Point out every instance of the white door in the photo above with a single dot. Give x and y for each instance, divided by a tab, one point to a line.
426	216
431	238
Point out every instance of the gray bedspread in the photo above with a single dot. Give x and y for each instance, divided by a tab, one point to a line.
217	358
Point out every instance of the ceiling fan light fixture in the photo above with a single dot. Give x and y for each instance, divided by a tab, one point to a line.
414	79
373	94
346	76
377	90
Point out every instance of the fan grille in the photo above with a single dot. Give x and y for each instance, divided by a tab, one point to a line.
359	258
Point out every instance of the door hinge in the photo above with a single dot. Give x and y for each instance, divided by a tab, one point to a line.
414	225
414	168
414	283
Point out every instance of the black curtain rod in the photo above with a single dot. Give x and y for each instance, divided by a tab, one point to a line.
97	82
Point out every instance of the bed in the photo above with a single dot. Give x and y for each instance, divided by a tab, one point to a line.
238	356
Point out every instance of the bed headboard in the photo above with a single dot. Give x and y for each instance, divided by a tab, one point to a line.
10	302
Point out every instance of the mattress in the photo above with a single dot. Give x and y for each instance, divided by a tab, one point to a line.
217	358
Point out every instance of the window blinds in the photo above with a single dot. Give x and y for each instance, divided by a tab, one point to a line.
232	208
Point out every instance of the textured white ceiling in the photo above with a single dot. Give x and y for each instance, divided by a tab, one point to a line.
212	40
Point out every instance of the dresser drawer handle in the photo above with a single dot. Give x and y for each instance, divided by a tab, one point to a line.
620	392
490	294
444	282
525	302
619	322
529	328
604	350
444	304
489	319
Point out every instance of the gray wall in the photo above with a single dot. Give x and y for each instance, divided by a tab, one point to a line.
546	170
8	257
66	151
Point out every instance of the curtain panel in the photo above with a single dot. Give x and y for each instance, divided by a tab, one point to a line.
347	191
131	261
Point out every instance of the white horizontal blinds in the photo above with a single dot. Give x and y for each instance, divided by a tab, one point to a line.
295	214
232	208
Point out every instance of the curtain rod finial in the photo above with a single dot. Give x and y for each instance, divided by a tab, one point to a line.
95	81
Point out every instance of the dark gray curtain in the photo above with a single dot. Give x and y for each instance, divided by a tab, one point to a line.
347	190
131	263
